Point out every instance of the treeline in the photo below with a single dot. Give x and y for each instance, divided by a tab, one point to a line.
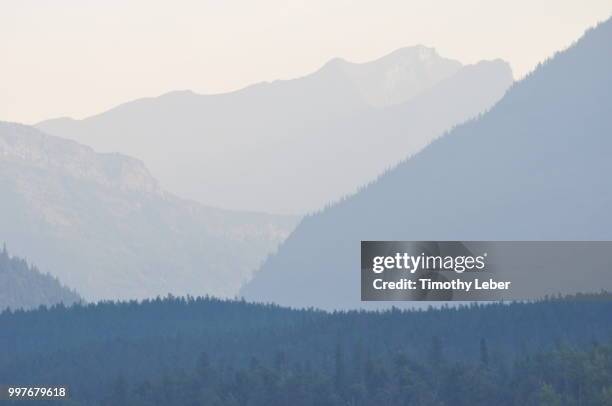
23	286
201	351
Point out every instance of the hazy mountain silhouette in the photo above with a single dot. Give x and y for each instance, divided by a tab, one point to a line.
23	286
291	146
102	225
535	167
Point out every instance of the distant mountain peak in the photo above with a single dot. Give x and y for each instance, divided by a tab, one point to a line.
418	52
413	52
180	93
398	76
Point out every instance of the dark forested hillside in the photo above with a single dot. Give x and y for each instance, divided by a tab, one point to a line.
23	287
535	167
207	351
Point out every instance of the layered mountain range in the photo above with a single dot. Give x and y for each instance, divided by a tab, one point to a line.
292	146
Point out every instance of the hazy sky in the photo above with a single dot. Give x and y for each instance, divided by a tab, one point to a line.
80	57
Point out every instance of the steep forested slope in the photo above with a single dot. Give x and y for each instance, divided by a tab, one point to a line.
535	167
23	286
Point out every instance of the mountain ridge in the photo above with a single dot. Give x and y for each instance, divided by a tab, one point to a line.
406	51
225	150
48	153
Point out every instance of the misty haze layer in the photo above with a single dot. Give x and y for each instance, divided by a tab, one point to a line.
102	225
293	146
535	167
